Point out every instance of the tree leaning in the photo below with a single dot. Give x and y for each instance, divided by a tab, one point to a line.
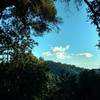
20	20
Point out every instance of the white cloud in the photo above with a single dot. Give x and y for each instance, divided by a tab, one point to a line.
59	52
67	47
68	57
61	56
58	49
48	53
86	54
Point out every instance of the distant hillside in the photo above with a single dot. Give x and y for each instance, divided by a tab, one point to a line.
74	83
59	68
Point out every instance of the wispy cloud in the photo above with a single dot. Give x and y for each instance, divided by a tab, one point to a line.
84	54
47	53
59	52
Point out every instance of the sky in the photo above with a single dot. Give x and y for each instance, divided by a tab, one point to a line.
74	43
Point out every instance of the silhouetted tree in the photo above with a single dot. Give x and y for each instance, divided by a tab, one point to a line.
27	81
67	88
89	85
23	19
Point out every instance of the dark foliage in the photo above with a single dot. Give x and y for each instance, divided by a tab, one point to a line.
31	80
23	19
23	76
23	81
89	85
61	69
72	86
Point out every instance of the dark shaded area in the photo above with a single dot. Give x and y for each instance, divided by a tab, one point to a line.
83	85
23	76
39	80
24	80
20	20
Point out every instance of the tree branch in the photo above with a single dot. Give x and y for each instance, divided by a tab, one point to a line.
91	8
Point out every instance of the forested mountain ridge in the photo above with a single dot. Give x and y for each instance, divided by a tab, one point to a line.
74	83
36	79
59	68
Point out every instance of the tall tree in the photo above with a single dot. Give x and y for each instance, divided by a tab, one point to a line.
22	19
27	81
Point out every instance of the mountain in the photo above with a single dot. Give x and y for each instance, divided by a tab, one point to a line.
58	68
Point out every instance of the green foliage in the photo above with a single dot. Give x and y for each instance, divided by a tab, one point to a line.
89	83
23	19
23	81
23	76
72	86
67	88
61	69
42	7
31	79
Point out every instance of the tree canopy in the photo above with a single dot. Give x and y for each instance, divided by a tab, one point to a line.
25	80
24	77
22	19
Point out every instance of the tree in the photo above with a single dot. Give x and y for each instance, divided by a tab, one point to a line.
23	76
27	81
93	12
89	86
67	88
22	19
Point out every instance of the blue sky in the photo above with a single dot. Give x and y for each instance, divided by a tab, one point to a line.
75	42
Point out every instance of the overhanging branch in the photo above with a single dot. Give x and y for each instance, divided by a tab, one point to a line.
91	8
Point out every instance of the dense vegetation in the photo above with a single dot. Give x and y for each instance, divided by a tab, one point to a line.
25	77
35	79
75	83
25	80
